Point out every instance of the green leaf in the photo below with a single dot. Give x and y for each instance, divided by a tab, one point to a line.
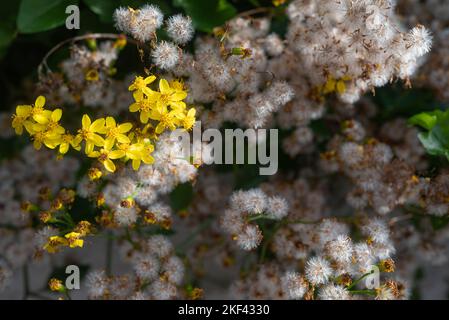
181	196
207	14
431	143
426	120
8	32
103	8
41	15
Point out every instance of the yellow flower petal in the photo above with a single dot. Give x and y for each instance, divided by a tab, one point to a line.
149	79
164	87
125	127
23	111
63	148
86	122
123	139
110	122
116	154
56	115
134	107
40	102
109	165
97	125
97	140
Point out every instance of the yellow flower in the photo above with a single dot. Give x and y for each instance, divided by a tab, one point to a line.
105	156
23	112
51	127
140	85
55	285
68	140
143	151
39	114
54	243
169	96
116	132
144	105
188	120
167	119
73	240
83	228
94	174
89	132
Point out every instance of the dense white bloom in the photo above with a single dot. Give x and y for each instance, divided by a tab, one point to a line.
147	267
125	216
340	249
249	237
173	268
277	207
145	22
180	28
294	285
318	270
97	283
377	231
160	246
165	55
333	292
253	201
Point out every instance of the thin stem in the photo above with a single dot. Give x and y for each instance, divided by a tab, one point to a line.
190	238
359	279
75	39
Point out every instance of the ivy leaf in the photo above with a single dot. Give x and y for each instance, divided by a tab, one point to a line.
426	120
41	15
207	14
435	138
431	143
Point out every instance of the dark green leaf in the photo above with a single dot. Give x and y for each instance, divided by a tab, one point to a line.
426	120
103	8
8	32
41	15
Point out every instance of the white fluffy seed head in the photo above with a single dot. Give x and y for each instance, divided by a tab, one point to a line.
340	249
123	19
97	283
249	237
377	230
333	292
165	55
253	201
145	22
277	207
125	216
147	267
294	285
173	268
318	270
180	29
160	246
419	41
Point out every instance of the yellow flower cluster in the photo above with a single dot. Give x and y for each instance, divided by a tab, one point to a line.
165	105
334	85
72	239
104	138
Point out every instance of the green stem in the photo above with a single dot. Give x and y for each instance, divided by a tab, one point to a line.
359	279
